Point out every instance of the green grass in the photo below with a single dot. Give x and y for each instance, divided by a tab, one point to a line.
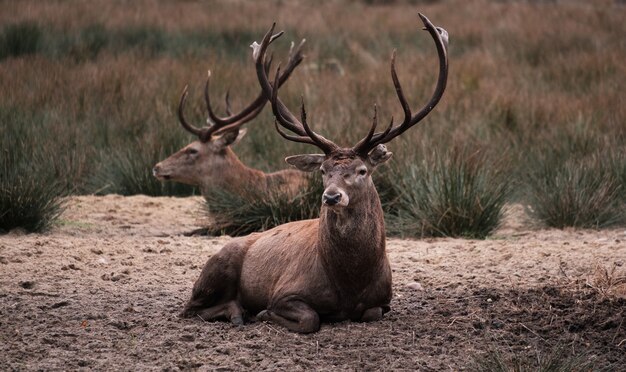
96	89
583	193
241	213
20	39
127	169
448	194
30	193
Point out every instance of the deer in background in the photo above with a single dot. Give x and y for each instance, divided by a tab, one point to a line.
211	163
328	269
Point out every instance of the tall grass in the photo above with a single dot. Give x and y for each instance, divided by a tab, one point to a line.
583	193
240	212
129	172
454	193
105	82
30	190
20	39
29	199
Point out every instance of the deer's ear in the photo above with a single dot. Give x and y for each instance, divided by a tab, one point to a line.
306	163
379	155
230	138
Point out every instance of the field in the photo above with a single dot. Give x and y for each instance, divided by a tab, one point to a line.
512	192
103	292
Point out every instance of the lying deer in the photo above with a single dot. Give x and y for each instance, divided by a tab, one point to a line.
328	269
210	163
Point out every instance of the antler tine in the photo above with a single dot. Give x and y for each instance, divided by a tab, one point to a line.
301	139
219	122
281	112
253	114
440	37
293	62
321	142
367	138
229	112
181	116
396	83
283	116
251	111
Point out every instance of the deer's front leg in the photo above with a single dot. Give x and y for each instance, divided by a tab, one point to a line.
293	314
374	313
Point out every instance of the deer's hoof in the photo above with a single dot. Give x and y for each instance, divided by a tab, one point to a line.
263	315
185	314
237	320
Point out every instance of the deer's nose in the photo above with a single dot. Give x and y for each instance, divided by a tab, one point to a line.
331	198
155	170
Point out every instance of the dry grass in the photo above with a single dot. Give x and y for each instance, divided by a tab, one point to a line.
609	281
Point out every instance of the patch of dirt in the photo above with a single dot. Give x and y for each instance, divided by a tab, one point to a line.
103	290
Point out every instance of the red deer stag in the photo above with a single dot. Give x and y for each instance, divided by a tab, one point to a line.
210	162
328	269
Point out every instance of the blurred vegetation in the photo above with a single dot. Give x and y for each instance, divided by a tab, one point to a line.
92	91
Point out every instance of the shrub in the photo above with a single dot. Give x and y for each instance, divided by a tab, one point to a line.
617	162
448	194
575	193
30	194
241	213
19	39
33	172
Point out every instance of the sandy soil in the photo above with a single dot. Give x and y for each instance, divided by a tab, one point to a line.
103	290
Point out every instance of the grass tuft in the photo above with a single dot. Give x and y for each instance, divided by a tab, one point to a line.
128	171
241	213
449	194
20	39
576	193
30	194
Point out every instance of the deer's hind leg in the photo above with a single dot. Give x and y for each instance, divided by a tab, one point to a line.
293	314
372	314
215	292
229	310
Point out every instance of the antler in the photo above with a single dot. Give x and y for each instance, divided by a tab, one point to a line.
440	37
283	116
218	124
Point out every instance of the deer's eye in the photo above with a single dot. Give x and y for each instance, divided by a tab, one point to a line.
192	151
362	172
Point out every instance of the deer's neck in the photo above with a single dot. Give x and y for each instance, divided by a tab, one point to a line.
232	174
352	242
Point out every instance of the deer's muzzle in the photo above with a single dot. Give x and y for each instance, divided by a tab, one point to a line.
334	196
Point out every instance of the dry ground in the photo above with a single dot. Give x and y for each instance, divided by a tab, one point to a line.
102	291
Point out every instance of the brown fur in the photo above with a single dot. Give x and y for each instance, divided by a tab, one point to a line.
298	274
214	165
332	268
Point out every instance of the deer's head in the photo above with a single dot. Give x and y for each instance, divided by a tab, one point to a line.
347	171
200	159
211	155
